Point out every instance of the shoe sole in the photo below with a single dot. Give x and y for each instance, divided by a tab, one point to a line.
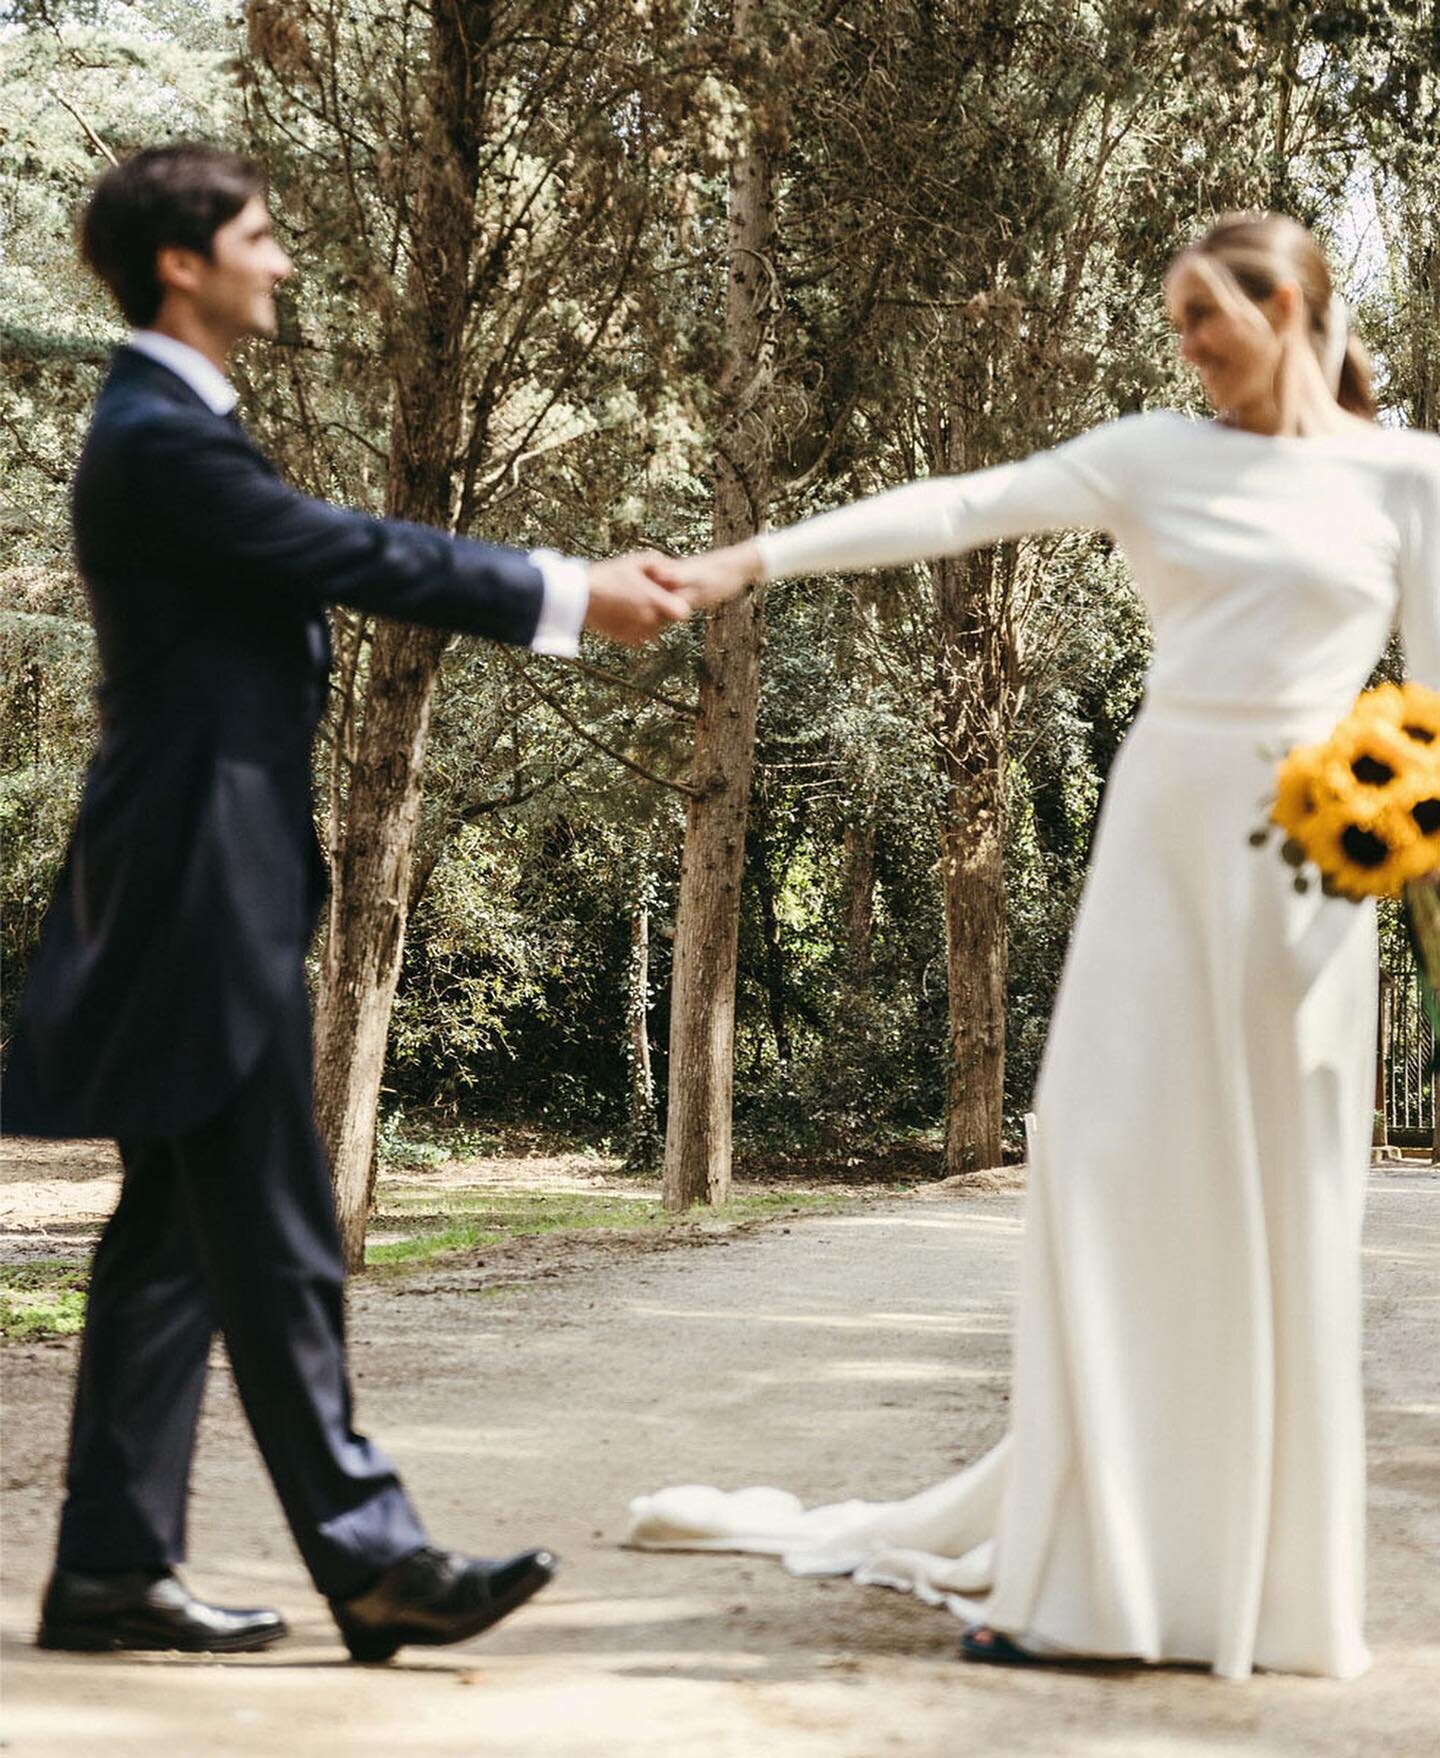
96	1639
373	1645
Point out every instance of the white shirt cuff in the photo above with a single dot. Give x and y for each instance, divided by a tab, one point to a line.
562	610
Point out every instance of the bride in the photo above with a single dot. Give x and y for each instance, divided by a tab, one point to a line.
1183	1479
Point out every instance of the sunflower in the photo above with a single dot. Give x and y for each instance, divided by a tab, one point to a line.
1375	753
1297	790
1359	853
1385	702
1412	820
1420	717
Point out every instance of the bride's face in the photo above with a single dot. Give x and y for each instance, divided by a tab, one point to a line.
1232	343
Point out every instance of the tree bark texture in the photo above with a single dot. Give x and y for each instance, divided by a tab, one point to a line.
371	859
643	1138
973	700
702	1029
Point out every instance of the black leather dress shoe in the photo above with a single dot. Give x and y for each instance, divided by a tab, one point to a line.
437	1596
98	1612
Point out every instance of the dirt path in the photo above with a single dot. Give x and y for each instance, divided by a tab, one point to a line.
859	1354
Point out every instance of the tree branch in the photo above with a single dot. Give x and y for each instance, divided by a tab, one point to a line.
689	709
523	672
84	121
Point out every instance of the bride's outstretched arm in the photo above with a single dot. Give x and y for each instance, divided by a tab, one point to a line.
939	515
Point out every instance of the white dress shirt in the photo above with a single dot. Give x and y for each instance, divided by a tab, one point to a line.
566	593
207	381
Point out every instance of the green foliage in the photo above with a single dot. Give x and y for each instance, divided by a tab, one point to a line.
975	207
46	728
42	1298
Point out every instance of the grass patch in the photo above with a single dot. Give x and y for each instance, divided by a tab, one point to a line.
45	1297
410	1141
491	1217
42	1298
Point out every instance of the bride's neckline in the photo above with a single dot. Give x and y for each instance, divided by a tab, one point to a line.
1362	433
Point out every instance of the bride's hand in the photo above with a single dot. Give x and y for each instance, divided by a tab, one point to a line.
711	579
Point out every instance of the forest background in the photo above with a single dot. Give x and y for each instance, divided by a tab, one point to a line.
652	272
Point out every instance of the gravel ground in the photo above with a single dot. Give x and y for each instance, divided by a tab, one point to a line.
528	1396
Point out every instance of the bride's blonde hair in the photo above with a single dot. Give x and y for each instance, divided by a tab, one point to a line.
1243	258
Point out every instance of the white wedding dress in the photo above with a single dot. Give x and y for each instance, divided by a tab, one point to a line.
1183	1479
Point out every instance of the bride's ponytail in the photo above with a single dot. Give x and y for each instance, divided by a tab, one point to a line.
1356	390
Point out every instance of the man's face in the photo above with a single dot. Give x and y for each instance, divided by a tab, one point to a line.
232	291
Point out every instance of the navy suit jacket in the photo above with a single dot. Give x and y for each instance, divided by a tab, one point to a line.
193	879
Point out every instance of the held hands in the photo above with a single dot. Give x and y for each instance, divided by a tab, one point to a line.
632	597
722	574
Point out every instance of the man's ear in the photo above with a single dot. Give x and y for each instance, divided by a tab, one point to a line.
178	268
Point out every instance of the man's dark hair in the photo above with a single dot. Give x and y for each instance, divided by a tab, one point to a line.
179	194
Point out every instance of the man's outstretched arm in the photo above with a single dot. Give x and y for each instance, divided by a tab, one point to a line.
220	508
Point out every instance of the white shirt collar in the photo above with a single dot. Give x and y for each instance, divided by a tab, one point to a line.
203	377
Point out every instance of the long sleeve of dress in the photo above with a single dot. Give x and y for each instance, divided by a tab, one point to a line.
1420	573
1075	486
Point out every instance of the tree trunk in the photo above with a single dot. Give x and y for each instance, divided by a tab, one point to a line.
707	922
971	851
372	858
973	704
702	1029
643	1137
370	884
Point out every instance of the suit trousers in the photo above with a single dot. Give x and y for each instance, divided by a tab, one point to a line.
230	1226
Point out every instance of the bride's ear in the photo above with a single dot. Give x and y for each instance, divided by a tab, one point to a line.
1285	308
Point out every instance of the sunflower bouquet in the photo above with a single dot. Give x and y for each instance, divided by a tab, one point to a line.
1363	809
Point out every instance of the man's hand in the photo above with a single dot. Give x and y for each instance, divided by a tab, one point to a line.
632	597
706	580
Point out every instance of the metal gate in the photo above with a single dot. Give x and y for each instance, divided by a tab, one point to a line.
1405	1076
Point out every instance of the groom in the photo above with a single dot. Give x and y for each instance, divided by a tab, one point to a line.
166	1004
